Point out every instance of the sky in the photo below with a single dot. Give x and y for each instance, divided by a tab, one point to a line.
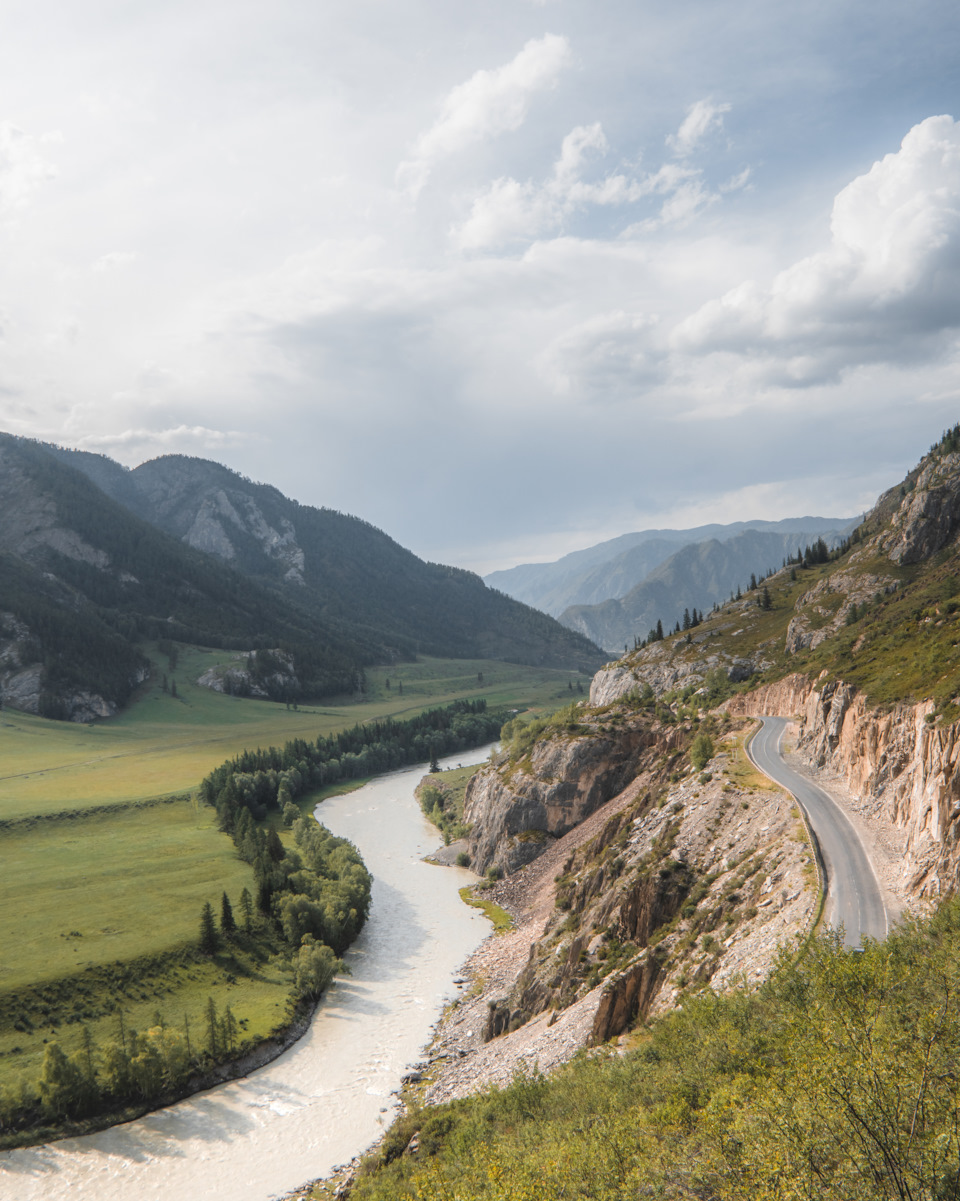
505	279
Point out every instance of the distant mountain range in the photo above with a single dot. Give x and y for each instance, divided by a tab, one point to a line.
617	590
96	559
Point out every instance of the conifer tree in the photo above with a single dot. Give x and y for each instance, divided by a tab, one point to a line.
209	942
246	908
227	923
213	1027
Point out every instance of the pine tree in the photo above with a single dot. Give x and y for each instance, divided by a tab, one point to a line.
209	942
275	846
227	923
228	1029
246	908
213	1027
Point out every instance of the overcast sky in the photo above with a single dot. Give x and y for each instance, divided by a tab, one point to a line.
504	279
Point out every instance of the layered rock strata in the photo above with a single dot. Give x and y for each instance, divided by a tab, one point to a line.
517	811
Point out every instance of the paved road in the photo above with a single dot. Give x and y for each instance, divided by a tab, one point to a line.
853	894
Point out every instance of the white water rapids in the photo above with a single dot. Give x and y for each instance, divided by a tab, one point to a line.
330	1095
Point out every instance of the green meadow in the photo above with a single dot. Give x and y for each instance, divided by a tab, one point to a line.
164	744
107	858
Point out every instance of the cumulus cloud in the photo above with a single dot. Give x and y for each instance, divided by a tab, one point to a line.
23	167
887	284
702	118
511	210
613	350
490	103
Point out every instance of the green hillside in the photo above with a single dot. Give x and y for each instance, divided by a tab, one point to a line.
86	581
336	567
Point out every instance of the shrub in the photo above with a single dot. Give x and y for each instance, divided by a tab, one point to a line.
701	752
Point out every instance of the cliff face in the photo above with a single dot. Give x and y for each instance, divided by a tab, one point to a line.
903	766
517	812
898	764
692	878
929	516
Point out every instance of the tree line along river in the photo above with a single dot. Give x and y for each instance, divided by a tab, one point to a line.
331	1094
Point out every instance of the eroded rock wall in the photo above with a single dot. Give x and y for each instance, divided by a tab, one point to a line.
784	698
517	811
903	766
899	763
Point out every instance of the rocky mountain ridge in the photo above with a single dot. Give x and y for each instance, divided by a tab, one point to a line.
656	878
335	567
697	576
611	569
97	562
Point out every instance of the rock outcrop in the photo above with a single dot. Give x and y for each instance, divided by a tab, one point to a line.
688	882
660	668
929	515
903	768
244	677
899	765
517	811
22	679
783	698
824	609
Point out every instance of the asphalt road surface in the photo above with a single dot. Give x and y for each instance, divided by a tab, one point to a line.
854	900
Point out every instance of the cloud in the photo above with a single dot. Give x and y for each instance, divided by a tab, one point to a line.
113	261
702	118
488	104
613	351
22	167
140	441
886	287
512	211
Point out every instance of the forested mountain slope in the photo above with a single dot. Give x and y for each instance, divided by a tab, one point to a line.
698	575
334	565
611	569
98	559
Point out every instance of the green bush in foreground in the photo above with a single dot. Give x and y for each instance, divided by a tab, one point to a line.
838	1079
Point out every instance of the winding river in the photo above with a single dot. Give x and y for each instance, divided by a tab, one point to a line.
329	1096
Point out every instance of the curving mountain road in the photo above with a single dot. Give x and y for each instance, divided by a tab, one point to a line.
854	900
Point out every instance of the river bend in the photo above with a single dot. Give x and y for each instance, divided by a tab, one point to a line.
329	1096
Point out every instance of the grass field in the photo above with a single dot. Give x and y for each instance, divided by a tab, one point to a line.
82	883
163	744
102	907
